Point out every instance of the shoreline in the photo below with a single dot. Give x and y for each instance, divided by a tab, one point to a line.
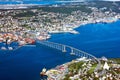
95	22
73	31
17	6
63	69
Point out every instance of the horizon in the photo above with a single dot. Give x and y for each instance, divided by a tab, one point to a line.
45	2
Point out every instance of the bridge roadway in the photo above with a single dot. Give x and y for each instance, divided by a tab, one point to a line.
73	51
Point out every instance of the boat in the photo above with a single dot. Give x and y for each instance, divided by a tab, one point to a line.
21	43
1	39
43	73
3	48
74	32
10	48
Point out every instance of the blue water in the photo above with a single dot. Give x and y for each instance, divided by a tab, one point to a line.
30	2
27	62
39	2
14	45
43	2
99	39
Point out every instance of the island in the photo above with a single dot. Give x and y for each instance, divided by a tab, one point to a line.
25	24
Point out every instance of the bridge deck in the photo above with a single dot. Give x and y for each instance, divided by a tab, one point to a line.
74	51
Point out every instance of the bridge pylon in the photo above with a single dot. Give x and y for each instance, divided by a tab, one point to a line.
64	48
72	51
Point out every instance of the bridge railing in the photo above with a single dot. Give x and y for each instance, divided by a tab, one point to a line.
74	51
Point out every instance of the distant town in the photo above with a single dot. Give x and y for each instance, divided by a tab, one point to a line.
25	25
41	21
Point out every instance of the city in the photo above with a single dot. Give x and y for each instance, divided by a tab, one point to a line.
37	25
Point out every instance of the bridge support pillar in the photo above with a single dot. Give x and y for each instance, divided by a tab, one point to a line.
72	52
64	49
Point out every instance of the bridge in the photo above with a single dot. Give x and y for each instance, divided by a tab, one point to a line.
73	51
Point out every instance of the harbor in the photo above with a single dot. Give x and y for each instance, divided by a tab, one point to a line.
59	40
30	60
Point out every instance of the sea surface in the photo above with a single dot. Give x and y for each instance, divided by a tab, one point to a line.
26	63
44	2
28	2
99	39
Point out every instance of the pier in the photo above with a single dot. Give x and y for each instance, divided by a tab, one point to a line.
73	51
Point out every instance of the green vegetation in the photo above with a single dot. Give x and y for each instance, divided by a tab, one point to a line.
75	67
92	69
66	10
1	26
117	60
67	77
109	5
25	14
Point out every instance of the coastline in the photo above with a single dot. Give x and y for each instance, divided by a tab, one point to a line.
36	60
95	22
73	31
60	71
16	6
